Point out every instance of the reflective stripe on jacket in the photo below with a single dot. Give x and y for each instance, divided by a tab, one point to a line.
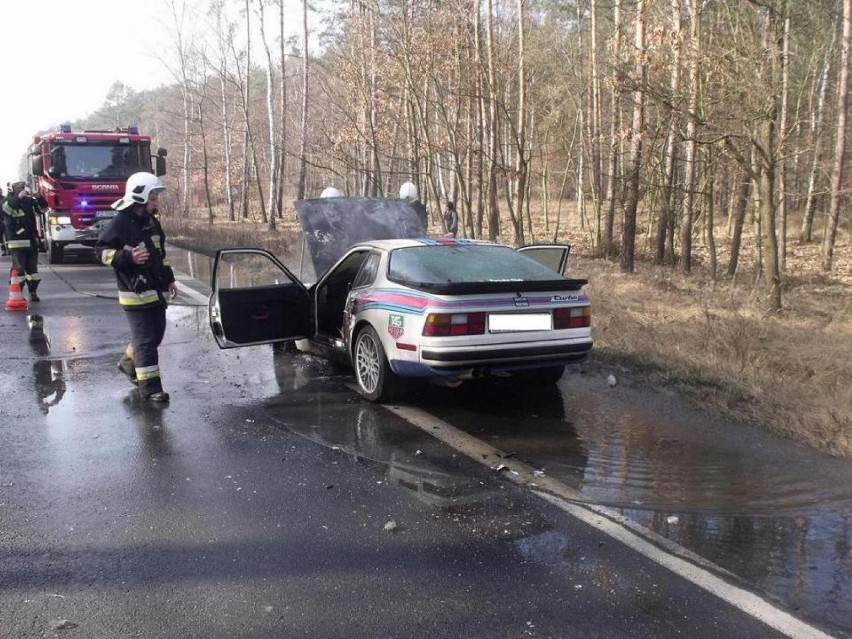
140	286
19	222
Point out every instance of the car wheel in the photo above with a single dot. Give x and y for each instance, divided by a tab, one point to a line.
376	380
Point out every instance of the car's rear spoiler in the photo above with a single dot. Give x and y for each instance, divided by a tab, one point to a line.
474	288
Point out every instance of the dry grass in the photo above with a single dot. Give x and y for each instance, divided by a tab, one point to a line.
787	372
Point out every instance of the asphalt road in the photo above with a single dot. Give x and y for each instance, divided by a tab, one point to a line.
231	512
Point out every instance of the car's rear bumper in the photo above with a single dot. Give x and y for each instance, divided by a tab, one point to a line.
500	355
491	361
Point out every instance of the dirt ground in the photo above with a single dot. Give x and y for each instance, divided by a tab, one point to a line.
713	341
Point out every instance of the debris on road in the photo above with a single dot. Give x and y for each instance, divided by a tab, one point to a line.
62	624
391	526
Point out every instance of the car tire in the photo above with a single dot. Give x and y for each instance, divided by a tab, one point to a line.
376	381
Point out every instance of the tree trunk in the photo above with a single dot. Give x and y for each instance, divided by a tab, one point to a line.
270	117
282	99
595	142
782	137
628	237
521	165
606	242
667	203
226	144
303	128
205	166
817	137
709	213
743	198
245	95
493	209
840	146
691	152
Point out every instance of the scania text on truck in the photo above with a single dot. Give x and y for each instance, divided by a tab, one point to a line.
80	173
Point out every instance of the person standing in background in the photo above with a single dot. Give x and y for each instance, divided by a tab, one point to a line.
451	219
22	236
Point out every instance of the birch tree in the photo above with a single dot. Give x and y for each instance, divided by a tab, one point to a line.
840	146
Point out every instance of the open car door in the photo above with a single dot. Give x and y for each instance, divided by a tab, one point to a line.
256	300
554	256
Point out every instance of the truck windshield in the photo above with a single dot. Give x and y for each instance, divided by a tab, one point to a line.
100	161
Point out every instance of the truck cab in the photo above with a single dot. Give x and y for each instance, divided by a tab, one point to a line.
80	174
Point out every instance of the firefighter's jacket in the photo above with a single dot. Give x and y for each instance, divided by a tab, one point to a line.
19	218
140	286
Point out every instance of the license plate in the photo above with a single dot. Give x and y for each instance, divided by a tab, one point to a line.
504	322
104	214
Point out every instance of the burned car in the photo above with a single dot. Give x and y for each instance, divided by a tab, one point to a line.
394	304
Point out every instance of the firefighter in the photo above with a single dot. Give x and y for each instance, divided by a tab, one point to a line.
408	192
135	246
20	210
3	223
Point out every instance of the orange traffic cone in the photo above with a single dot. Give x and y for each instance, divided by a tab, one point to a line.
16	301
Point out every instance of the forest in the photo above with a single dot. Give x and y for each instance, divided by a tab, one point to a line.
649	121
704	141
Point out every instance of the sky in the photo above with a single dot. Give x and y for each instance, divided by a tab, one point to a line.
68	54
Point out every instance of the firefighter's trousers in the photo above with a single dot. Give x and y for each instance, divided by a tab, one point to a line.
25	265
147	328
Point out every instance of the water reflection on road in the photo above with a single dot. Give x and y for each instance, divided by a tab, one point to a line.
768	511
774	513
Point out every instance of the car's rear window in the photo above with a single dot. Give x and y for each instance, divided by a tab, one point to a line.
439	264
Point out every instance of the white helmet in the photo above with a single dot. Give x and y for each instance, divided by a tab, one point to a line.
330	191
139	188
408	191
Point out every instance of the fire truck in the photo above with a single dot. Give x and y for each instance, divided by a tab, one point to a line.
80	173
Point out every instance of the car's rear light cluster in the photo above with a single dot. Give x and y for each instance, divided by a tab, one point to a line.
447	324
573	317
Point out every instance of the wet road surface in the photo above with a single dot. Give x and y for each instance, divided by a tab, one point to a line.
259	499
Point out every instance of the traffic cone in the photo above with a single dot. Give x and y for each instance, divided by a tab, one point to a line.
16	301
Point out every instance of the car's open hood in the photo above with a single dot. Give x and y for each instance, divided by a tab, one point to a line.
331	225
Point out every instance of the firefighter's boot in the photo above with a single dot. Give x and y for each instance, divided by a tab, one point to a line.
159	397
32	286
125	365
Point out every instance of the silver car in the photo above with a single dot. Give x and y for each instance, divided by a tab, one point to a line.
443	310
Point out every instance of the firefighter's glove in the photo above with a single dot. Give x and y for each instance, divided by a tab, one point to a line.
139	283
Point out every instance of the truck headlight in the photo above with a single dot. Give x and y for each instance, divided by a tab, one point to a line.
63	219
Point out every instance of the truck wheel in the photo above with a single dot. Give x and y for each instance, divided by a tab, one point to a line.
56	253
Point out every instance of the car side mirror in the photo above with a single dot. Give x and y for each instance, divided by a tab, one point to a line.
52	172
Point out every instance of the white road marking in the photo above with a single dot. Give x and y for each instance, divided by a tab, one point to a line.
679	560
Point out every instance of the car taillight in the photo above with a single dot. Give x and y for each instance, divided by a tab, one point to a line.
447	324
574	317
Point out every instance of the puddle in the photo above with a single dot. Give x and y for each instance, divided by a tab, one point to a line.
772	512
316	402
777	514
